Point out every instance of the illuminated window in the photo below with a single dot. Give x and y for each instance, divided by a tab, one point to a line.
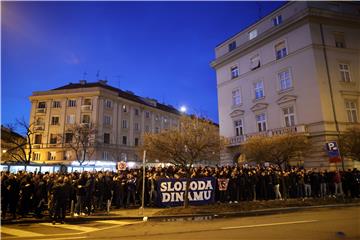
259	90
351	110
234	72
253	34
289	116
285	79
236	97
277	20
280	50
238	127
261	122
344	72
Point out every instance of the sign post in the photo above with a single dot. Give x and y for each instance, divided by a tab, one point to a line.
334	153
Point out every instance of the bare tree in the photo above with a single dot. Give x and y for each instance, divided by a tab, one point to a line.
20	146
193	141
81	139
349	143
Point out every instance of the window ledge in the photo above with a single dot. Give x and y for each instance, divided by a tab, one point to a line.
236	106
285	90
258	99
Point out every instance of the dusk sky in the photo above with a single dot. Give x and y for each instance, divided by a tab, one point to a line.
160	50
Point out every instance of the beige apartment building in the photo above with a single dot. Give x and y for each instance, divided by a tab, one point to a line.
120	118
296	69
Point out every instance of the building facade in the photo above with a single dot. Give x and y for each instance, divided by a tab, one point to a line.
119	117
296	69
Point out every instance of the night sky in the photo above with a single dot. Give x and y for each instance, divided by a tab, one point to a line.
160	50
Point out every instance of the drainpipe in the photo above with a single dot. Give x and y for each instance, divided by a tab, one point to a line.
331	90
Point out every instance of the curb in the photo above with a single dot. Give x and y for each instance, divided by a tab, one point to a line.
258	212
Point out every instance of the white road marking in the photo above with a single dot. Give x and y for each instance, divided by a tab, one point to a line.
268	224
121	223
19	233
64	238
72	227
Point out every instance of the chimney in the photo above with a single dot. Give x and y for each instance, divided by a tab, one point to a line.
103	82
82	82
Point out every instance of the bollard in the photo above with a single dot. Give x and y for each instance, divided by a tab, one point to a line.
72	208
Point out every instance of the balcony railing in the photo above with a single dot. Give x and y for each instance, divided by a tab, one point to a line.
39	127
41	110
86	107
237	140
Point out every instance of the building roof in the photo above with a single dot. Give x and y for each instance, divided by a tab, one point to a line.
123	94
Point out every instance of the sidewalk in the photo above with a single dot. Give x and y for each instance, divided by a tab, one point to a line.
164	214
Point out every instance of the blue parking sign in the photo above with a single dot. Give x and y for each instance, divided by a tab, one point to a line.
333	152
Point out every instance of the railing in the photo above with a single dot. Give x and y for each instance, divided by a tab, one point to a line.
41	110
39	127
86	107
237	140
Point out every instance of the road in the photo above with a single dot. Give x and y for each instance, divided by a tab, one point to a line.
340	223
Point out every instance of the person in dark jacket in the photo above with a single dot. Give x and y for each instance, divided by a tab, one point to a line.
80	194
59	198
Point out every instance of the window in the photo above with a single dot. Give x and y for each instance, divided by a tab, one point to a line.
236	97
277	20
107	138
280	50
87	101
156	117
255	62
351	110
253	34
147	114
157	130
289	116
85	119
72	103
53	139
344	72
165	119
68	137
51	155
136	112
39	121
136	127
108	103
124	108
124	123
107	120
339	40
38	138
261	122
232	46
124	140
259	90
70	119
136	142
285	79
56	104
105	155
42	105
238	127
37	156
234	72
54	120
147	128
67	155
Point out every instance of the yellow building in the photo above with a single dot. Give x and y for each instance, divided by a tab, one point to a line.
120	118
296	69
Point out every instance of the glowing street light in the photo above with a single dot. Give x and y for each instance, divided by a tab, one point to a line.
183	109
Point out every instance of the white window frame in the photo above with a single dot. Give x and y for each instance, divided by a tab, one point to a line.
105	155
107	120
108	103
147	114
352	110
70	119
124	123
285	79
52	156
253	34
239	127
136	126
234	71
236	97
259	88
55	123
72	103
282	52
37	156
277	20
56	104
261	122
344	69
288	116
255	62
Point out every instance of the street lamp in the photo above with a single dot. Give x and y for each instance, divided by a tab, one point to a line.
183	109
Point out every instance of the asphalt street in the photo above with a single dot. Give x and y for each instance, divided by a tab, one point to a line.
339	223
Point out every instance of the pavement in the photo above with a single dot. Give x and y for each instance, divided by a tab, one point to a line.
155	214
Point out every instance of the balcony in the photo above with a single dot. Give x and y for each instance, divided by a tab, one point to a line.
237	140
41	110
39	127
86	108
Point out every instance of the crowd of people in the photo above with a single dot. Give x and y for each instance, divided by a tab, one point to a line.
82	193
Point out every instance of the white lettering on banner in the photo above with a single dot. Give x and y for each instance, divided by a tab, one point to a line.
181	186
179	196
